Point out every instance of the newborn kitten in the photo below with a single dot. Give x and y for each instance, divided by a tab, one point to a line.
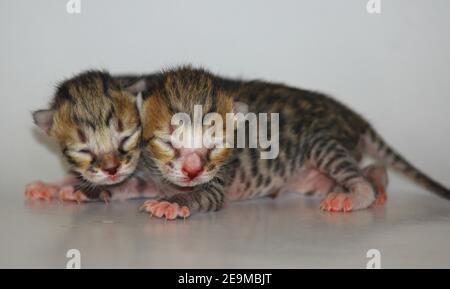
97	125
190	179
321	146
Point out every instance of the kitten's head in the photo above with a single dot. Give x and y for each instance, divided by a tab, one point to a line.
178	92
97	125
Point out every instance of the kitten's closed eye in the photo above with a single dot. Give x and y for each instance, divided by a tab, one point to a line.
129	142
85	151
169	144
78	156
89	153
215	152
122	145
165	144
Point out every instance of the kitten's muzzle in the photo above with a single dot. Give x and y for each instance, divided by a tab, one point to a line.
110	164
192	166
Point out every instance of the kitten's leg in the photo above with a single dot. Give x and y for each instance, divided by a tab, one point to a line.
70	190
313	182
333	159
70	193
63	190
377	175
41	191
183	205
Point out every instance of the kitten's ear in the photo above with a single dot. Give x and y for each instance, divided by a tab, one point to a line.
136	87
43	118
240	107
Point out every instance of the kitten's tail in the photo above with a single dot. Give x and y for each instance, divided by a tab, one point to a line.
376	147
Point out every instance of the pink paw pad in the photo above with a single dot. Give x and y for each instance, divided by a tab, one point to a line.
165	209
68	194
337	202
40	191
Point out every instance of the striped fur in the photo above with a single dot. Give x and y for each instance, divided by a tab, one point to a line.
170	92
321	146
379	149
97	125
321	141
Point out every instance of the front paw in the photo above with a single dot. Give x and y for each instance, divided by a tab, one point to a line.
40	191
165	209
70	194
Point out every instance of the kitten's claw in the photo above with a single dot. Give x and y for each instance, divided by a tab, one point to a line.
165	209
381	198
40	191
104	196
337	202
360	196
68	194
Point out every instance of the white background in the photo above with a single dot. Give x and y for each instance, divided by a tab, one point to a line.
393	68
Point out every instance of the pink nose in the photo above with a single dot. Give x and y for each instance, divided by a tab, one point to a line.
109	163
111	170
192	166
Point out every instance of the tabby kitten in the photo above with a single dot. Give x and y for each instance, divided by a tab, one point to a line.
321	146
97	125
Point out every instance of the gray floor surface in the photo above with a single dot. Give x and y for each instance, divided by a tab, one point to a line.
412	231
